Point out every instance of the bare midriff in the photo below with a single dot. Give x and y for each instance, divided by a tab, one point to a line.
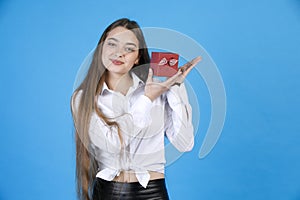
129	176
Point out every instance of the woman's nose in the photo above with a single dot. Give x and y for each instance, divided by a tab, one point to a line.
119	52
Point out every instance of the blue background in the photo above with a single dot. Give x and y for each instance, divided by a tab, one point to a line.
255	44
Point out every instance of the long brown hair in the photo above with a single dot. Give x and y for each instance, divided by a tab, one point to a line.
86	165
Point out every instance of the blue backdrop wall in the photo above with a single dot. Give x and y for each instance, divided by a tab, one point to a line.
255	44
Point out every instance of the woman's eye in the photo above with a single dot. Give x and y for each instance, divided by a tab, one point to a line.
129	49
111	44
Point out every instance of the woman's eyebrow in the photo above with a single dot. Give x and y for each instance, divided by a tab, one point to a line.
131	43
114	39
127	43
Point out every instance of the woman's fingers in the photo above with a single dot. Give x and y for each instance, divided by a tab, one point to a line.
150	76
153	89
190	65
183	71
173	79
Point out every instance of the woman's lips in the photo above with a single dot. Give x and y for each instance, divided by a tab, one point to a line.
117	62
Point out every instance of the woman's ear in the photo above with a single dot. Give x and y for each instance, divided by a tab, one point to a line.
137	61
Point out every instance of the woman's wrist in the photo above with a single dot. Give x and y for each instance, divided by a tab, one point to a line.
150	97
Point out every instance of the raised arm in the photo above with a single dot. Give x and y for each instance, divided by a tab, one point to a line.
178	119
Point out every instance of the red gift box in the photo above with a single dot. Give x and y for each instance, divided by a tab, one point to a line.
164	63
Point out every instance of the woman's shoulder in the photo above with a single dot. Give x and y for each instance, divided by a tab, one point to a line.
76	95
75	99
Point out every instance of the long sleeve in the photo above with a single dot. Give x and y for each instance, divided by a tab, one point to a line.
178	119
131	123
104	137
131	118
101	135
143	125
140	112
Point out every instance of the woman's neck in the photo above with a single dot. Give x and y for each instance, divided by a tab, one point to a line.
119	83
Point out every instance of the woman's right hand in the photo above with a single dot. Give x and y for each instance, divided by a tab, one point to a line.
155	89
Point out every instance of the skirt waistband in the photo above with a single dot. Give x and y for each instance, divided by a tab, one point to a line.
112	190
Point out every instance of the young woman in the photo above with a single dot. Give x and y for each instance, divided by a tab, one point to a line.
121	116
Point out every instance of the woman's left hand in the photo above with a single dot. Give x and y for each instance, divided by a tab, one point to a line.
154	89
183	71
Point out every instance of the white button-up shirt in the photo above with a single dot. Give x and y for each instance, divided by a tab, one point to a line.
143	125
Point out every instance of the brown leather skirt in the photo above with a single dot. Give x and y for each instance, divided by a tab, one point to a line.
112	190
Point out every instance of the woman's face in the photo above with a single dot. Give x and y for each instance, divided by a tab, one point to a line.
120	51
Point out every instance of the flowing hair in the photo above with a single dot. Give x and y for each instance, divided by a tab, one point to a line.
86	164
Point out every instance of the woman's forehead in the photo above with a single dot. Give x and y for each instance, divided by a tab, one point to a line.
122	34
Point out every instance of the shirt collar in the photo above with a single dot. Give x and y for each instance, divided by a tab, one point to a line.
105	88
136	81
